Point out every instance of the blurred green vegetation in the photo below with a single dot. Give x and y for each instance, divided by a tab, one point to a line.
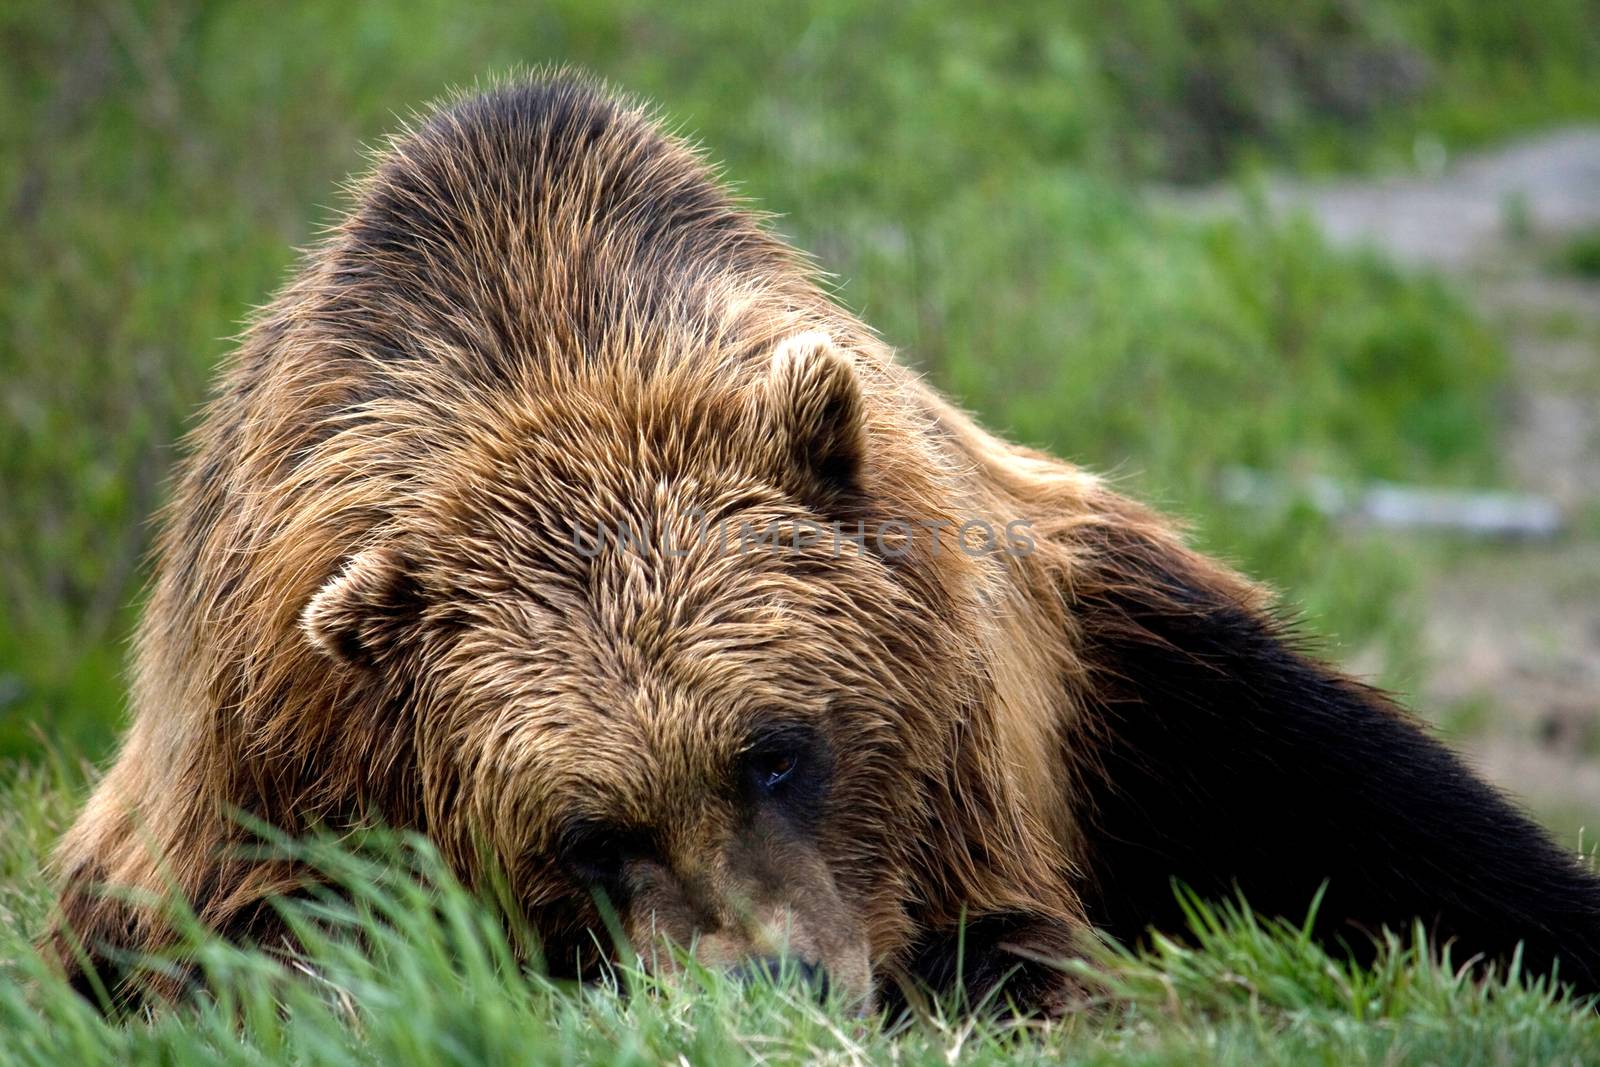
970	176
1581	254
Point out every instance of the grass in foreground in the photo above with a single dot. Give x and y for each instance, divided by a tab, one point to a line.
410	969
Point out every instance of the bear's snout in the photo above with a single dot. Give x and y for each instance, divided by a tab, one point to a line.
754	905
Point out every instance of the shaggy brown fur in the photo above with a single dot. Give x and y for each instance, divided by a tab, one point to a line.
544	315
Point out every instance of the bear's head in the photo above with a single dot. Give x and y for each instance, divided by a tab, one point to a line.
661	651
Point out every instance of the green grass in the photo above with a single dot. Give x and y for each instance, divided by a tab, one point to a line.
411	969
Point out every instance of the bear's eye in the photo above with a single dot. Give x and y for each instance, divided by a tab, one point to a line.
772	769
597	853
787	767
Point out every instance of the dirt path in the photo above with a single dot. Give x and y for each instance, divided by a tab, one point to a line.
1513	632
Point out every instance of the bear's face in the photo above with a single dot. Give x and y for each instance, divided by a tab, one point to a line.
641	669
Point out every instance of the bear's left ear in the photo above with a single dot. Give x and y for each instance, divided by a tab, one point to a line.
361	613
814	389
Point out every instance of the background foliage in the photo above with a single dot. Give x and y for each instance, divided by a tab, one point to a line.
966	177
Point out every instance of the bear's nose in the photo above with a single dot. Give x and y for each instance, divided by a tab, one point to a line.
783	969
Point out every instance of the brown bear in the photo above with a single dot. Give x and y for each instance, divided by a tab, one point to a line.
556	512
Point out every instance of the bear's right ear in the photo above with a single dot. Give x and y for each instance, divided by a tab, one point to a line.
360	614
813	387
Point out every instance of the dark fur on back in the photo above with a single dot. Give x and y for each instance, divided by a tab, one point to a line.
1224	758
895	763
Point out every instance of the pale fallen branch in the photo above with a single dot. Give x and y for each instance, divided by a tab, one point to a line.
1478	513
